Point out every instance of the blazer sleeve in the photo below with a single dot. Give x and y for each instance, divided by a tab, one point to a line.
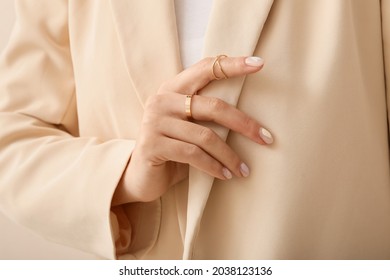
52	181
386	49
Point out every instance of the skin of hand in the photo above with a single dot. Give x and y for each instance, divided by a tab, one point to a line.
168	142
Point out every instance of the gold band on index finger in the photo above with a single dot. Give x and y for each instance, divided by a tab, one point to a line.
218	63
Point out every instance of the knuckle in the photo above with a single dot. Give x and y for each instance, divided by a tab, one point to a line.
153	101
205	62
217	105
192	151
207	136
204	65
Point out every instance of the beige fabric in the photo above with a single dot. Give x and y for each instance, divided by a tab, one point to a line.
75	78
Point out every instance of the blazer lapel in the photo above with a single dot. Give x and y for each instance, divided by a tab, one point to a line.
234	29
148	36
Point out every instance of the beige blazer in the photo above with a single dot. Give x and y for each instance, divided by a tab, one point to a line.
75	76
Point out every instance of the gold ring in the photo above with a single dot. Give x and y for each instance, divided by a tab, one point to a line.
217	62
188	107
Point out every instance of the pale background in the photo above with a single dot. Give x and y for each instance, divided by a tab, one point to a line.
16	242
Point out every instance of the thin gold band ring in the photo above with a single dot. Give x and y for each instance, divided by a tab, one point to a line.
217	63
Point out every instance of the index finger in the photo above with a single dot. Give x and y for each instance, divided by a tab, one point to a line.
202	73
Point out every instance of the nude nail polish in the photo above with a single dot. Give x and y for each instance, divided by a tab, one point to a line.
244	169
254	61
266	136
226	173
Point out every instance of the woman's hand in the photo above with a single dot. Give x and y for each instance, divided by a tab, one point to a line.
168	142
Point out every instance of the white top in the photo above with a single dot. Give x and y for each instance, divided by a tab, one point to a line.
192	18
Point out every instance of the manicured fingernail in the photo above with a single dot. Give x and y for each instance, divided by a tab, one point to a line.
266	136
244	170
227	173
254	61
